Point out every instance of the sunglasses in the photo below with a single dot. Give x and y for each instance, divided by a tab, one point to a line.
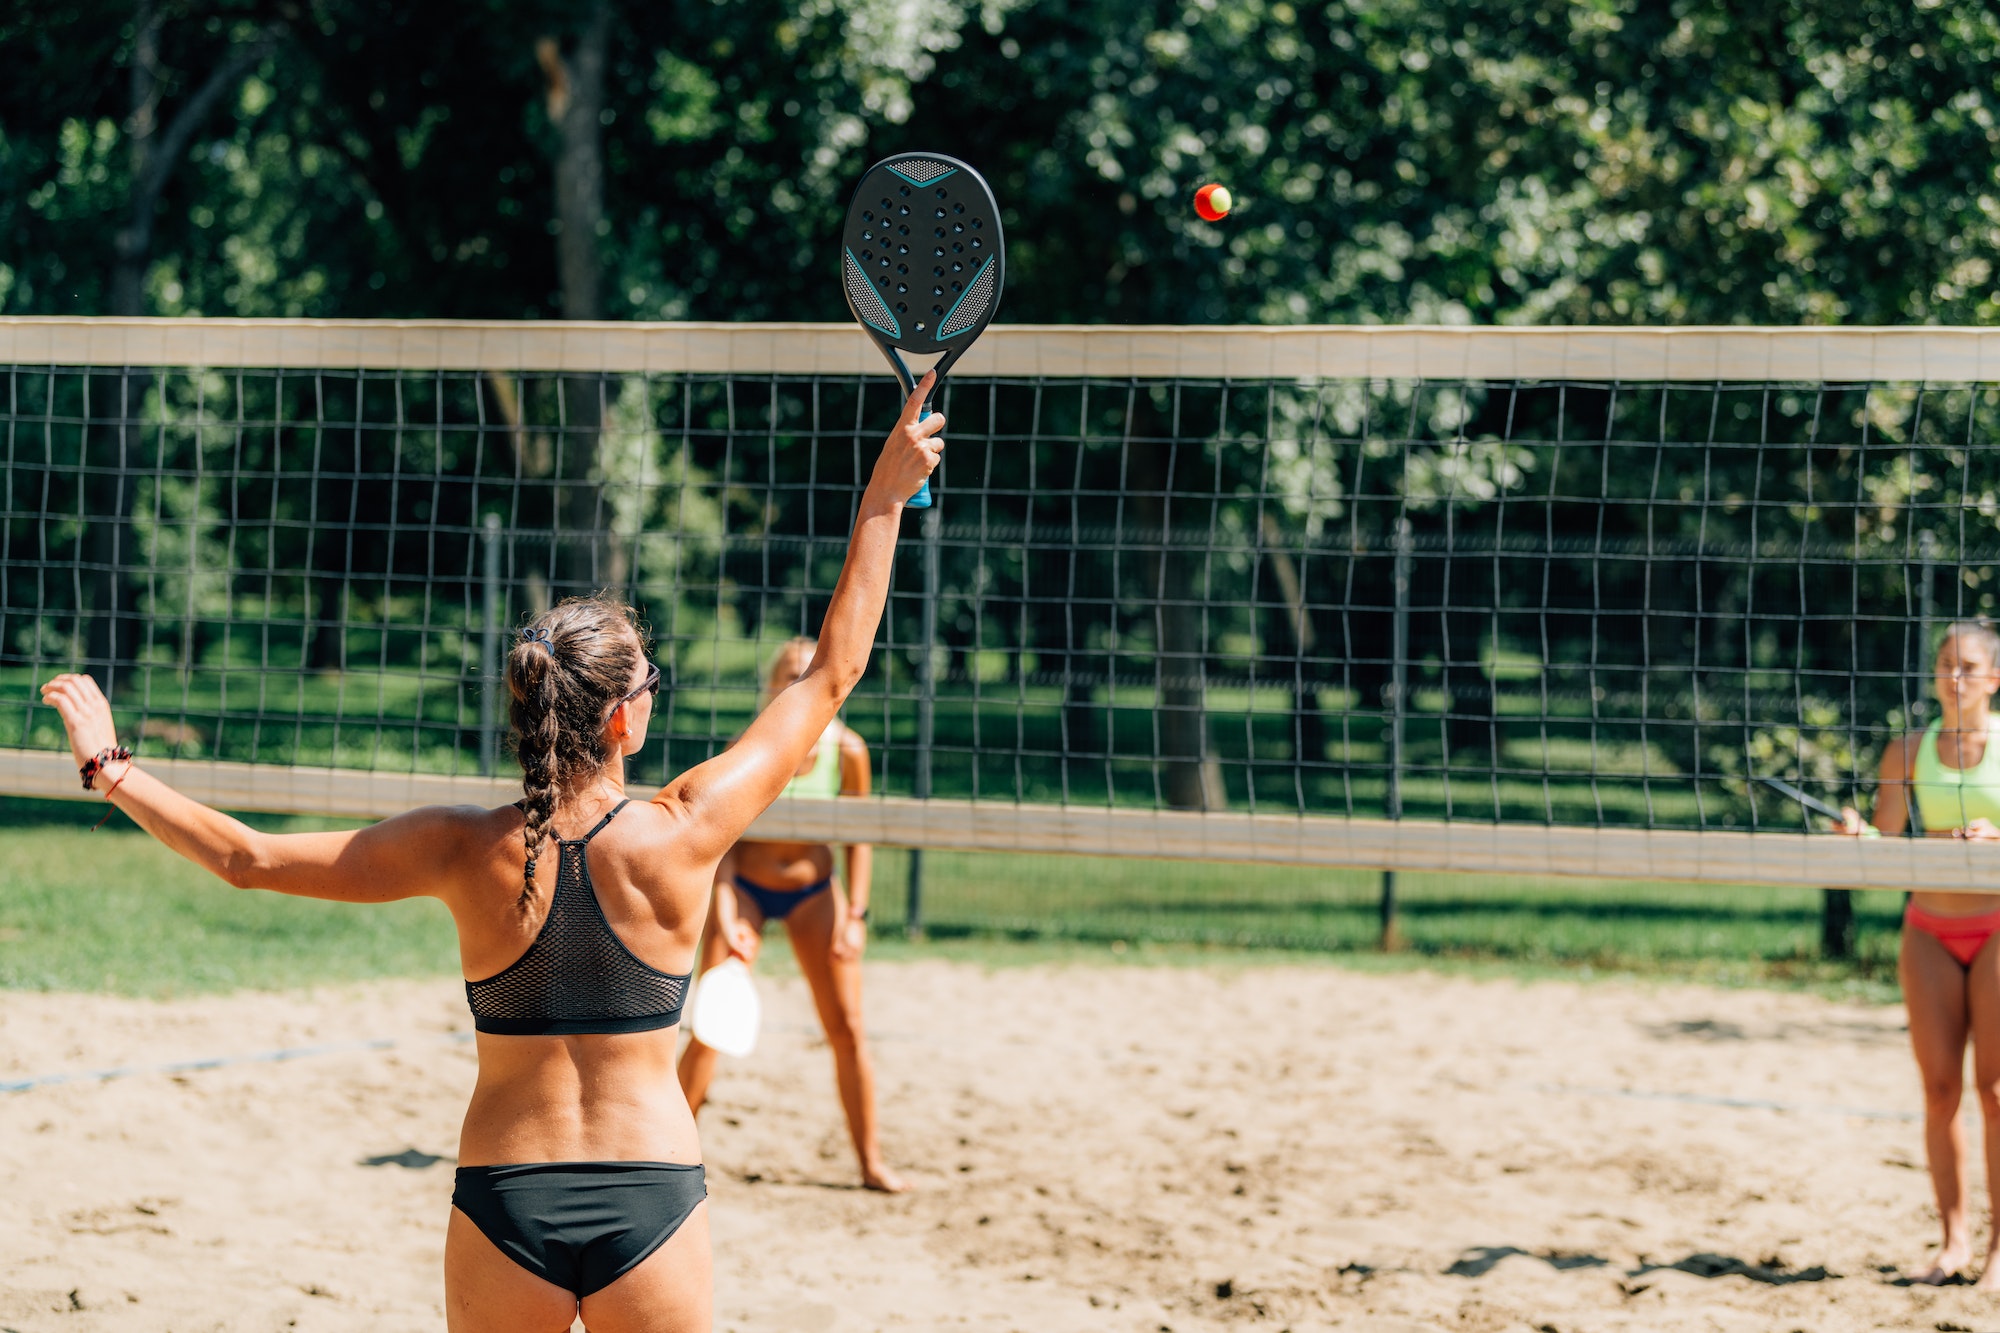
650	685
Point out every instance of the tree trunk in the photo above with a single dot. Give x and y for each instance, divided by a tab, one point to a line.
108	644
576	109
132	246
332	563
1082	744
1191	776
1298	640
156	152
112	640
326	642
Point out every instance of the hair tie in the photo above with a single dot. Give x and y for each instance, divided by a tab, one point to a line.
540	635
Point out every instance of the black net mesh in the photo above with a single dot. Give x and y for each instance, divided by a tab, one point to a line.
1555	602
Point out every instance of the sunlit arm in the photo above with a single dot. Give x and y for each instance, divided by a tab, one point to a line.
370	865
722	797
398	858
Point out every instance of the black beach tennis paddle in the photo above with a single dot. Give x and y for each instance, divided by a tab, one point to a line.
1811	803
922	261
1816	806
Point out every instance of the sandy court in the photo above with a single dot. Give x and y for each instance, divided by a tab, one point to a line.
1282	1147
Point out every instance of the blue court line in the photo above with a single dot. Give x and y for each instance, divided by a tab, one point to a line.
1731	1103
214	1062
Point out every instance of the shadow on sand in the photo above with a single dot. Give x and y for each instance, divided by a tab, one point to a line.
1771	1272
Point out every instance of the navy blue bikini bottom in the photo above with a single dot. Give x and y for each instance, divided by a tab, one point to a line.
777	904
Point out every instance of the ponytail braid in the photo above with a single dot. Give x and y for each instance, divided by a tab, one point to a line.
531	675
565	672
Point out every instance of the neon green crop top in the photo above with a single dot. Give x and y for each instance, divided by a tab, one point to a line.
1949	798
822	780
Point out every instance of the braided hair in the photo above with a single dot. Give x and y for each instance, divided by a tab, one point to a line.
568	668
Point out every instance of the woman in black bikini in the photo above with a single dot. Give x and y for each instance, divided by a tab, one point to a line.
825	919
580	1186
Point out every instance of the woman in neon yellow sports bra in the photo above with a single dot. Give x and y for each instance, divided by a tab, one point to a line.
792	882
1950	964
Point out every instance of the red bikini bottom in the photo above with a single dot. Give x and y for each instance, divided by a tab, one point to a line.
1962	936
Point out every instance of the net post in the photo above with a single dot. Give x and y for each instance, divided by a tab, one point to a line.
913	918
1392	796
1836	923
489	646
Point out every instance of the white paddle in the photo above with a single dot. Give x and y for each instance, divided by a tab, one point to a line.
727	1011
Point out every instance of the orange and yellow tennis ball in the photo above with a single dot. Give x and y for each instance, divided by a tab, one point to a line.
1212	202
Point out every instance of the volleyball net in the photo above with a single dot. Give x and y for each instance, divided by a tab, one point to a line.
1500	600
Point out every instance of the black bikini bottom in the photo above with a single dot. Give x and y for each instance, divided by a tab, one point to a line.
580	1225
777	904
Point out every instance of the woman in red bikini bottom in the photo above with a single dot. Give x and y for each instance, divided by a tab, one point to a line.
1950	965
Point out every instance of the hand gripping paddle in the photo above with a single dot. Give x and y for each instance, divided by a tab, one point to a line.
922	261
1815	805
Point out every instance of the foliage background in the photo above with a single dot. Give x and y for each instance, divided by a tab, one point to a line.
1481	160
1509	161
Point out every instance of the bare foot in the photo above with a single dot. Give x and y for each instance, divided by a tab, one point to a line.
1989	1281
884	1181
1949	1263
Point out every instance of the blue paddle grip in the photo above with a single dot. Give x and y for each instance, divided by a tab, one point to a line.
922	499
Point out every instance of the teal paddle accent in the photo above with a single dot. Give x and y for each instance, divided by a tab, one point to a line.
921	184
893	329
961	301
922	499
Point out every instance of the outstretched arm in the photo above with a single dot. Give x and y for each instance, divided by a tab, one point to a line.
721	798
373	864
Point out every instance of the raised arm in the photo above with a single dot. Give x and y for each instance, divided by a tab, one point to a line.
721	798
374	864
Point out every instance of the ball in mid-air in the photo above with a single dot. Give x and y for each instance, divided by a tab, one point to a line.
1212	202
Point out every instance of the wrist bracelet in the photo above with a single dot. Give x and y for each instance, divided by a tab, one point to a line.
107	799
94	765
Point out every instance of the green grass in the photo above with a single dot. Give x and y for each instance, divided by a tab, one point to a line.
114	911
1726	934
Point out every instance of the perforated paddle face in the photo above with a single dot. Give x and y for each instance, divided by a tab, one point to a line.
922	256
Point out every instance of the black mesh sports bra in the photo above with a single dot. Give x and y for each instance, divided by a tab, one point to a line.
577	977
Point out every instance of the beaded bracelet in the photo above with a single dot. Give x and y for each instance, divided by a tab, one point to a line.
95	764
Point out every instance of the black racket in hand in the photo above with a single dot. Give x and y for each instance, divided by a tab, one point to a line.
922	261
1818	807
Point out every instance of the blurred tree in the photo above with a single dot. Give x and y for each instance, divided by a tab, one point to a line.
1493	160
1456	160
159	133
181	67
576	107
